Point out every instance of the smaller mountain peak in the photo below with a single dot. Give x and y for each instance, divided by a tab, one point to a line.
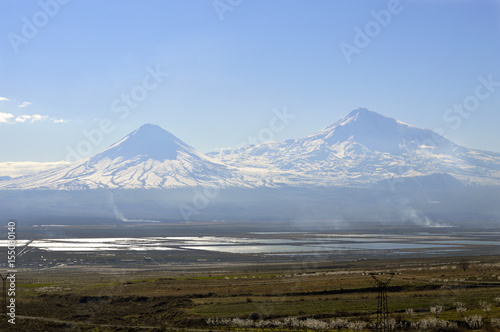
152	132
149	126
148	141
362	112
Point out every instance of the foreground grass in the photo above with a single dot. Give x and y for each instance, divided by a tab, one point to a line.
163	300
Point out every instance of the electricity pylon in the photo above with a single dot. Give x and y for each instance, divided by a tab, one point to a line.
383	309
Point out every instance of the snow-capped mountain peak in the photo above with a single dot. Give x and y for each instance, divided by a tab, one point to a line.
149	157
365	147
379	133
148	142
361	149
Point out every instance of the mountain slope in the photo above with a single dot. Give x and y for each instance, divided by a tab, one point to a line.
364	148
149	157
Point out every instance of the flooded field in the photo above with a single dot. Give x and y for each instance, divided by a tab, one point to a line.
339	242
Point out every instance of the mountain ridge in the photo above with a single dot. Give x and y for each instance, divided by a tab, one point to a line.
359	150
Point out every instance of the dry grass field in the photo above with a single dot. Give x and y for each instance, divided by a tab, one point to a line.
260	297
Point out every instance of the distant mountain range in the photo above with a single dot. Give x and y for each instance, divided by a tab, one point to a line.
362	150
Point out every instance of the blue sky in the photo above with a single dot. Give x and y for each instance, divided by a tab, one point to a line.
232	64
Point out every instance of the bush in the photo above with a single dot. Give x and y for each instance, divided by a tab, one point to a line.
338	323
436	310
356	325
254	316
432	323
409	312
474	322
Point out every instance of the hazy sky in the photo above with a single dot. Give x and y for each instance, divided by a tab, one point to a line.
67	67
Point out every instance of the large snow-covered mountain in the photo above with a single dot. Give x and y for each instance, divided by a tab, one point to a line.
366	148
363	149
147	158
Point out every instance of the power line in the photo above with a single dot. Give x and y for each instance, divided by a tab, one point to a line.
24	249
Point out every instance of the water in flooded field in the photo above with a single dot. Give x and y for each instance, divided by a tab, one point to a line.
276	243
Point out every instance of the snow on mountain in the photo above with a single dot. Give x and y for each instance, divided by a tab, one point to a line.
364	148
360	150
149	157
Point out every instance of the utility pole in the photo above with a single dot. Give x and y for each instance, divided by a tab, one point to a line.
383	309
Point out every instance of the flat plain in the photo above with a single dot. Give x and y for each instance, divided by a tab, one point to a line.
197	289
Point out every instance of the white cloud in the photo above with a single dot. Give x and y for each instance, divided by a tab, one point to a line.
24	104
31	118
5	117
14	169
22	118
4	99
38	117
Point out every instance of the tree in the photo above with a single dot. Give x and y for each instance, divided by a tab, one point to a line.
464	264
